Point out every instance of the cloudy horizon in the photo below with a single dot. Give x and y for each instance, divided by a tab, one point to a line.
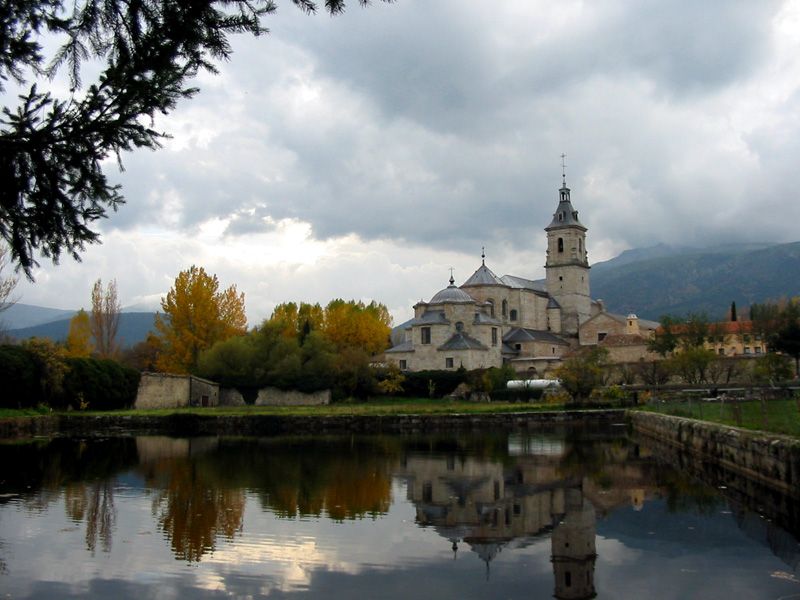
364	155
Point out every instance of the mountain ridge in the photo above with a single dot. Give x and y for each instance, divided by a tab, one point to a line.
682	280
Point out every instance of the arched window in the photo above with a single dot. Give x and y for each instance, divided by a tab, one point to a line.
490	302
580	247
513	314
505	308
560	244
459	326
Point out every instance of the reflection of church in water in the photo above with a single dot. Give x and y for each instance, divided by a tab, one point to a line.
488	507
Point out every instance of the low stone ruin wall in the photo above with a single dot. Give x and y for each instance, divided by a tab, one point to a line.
270	396
162	390
166	390
771	459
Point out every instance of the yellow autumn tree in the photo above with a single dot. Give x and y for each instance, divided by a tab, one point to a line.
79	338
357	325
298	321
196	315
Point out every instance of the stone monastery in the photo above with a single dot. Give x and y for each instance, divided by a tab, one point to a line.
489	321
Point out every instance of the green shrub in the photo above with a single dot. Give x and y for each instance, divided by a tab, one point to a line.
418	383
21	378
100	384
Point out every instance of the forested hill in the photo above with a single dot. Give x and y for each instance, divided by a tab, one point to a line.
133	328
662	280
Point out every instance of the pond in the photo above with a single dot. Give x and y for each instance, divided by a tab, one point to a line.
565	513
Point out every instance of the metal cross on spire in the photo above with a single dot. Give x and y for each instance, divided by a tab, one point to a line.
564	169
483	255
452	279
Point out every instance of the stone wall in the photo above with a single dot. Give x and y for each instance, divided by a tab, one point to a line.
166	390
231	397
270	396
600	323
203	392
162	390
193	424
770	459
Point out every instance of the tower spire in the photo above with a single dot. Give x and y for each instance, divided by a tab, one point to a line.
483	256
563	170
452	279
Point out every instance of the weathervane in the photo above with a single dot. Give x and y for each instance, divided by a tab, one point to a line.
483	255
564	169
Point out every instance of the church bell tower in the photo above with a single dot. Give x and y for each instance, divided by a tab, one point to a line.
567	265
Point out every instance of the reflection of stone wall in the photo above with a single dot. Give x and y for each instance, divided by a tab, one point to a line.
151	448
770	459
270	396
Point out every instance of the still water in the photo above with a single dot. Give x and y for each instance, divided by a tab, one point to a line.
566	514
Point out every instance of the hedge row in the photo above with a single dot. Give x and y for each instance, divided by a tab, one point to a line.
29	380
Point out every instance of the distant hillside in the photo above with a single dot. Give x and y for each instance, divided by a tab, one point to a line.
133	328
667	280
26	315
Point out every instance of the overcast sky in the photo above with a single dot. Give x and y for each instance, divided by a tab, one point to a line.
362	156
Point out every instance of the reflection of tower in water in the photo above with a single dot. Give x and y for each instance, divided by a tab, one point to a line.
573	549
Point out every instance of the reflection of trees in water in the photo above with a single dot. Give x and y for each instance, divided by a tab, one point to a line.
79	471
344	478
93	503
192	509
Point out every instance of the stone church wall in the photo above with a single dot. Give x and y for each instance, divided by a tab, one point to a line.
602	323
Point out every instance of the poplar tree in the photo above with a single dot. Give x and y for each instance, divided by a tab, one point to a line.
79	338
104	320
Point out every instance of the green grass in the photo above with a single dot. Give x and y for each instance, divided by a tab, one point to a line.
375	407
25	412
775	416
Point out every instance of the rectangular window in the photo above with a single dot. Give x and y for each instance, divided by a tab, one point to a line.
747	350
425	333
722	351
758	349
448	363
601	336
403	365
494	336
513	314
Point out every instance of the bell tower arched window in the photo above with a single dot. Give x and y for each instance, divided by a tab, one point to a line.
560	244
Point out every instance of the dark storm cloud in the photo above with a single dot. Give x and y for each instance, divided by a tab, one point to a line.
441	123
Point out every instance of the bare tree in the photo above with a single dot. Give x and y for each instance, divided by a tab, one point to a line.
104	321
7	285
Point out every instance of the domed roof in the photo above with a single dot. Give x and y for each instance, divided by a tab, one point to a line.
451	294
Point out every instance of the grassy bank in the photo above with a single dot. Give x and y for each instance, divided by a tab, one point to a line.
375	407
775	416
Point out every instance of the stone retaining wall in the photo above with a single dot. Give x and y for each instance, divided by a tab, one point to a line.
771	459
19	427
183	424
